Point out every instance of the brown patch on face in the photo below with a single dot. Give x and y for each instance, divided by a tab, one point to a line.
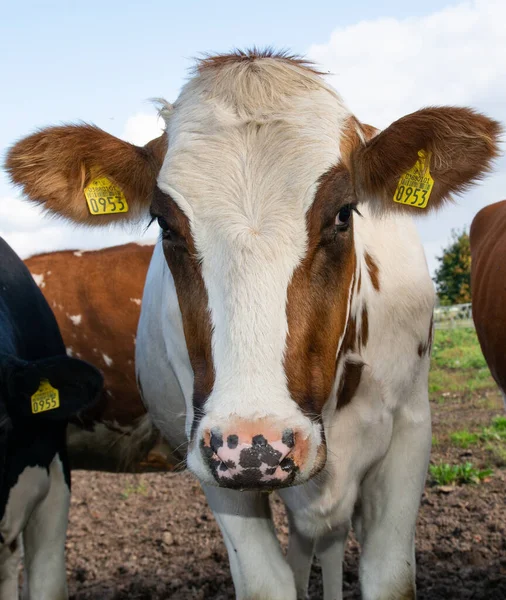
373	270
363	335
317	299
350	381
180	253
251	55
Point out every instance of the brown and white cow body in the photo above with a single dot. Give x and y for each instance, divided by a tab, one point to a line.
293	333
96	298
488	287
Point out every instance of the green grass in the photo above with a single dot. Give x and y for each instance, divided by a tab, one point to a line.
457	365
496	432
464	439
445	474
134	489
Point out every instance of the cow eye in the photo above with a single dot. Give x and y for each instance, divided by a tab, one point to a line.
343	216
164	226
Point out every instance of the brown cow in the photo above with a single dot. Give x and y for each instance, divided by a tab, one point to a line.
488	286
96	298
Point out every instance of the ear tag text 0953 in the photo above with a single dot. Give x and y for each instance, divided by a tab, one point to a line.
415	185
104	197
45	398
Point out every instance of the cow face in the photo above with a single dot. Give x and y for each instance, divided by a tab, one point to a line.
254	186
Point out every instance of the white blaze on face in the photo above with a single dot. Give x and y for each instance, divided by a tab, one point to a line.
245	170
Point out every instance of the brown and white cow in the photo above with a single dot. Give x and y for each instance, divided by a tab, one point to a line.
292	329
488	287
96	298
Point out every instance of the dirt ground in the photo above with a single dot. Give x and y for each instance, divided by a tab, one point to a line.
152	536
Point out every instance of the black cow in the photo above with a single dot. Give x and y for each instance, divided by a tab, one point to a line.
40	389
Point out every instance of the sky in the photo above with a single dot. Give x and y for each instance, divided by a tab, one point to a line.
101	62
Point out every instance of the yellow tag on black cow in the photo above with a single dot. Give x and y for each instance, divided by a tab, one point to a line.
415	185
45	398
104	197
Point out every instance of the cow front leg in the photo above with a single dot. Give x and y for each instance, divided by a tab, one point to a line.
330	553
258	567
300	556
386	517
44	541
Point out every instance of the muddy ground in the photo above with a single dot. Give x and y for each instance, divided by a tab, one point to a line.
152	536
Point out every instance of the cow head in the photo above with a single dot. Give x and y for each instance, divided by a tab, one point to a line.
255	186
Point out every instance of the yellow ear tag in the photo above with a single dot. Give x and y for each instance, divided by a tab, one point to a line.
415	185
45	398
104	197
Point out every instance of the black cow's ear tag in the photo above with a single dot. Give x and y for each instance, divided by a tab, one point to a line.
45	398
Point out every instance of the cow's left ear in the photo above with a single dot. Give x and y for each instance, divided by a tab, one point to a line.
55	388
424	158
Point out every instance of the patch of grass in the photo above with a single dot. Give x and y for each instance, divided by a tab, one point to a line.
435	441
457	349
496	432
464	439
457	365
499	424
445	474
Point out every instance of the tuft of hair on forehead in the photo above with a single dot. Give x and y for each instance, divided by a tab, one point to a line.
250	56
254	84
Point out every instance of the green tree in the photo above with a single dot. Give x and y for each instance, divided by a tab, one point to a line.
453	276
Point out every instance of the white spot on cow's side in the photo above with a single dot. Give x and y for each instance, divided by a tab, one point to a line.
70	351
135	339
76	319
109	393
39	280
107	360
136	300
60	306
78	253
48	272
95	350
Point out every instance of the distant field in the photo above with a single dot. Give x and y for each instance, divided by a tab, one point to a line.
457	366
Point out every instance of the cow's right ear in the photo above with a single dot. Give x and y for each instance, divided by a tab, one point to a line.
85	174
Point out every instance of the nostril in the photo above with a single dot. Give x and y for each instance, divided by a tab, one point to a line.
232	441
287	465
216	441
259	440
288	438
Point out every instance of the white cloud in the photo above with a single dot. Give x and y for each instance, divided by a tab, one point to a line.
29	232
142	127
387	68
